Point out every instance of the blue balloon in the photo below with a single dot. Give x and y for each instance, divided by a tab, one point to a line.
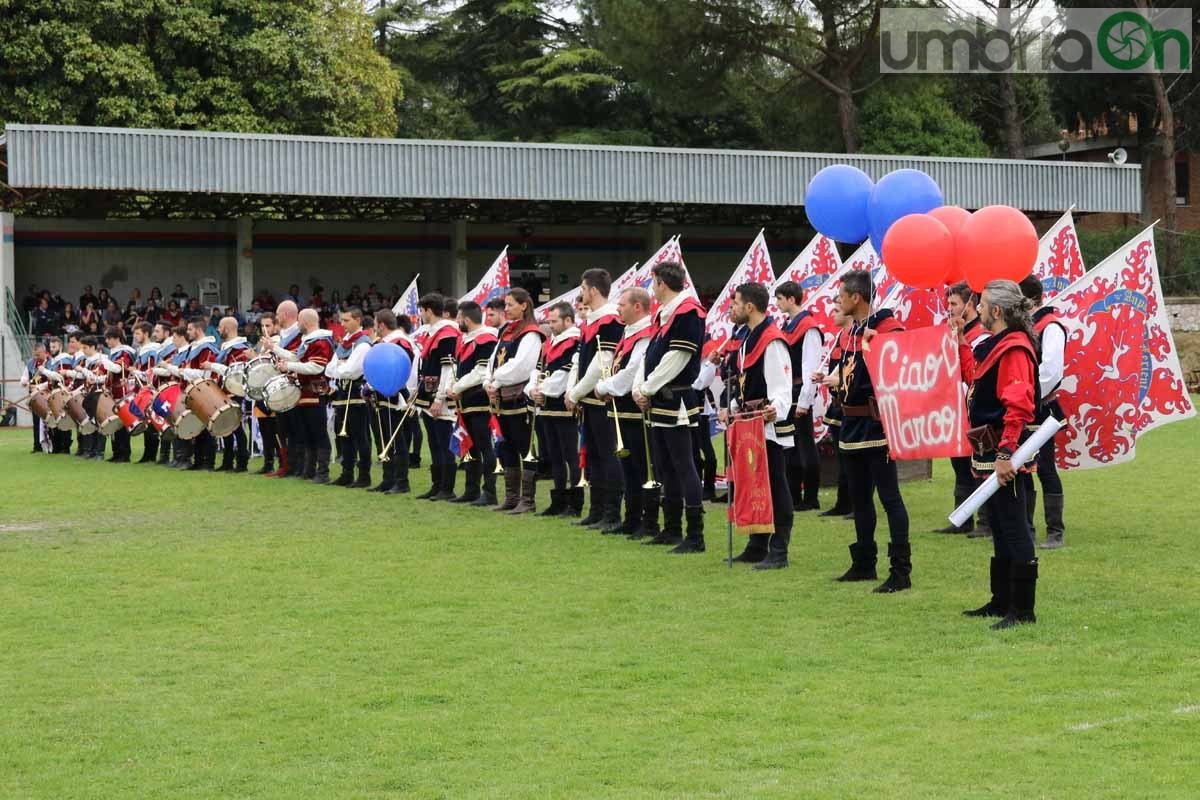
836	203
386	368
898	194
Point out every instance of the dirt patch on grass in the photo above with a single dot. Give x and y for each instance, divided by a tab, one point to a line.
17	527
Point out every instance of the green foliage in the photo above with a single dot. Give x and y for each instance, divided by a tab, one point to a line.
915	117
1097	245
218	635
242	65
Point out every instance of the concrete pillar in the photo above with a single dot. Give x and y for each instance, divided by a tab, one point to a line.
11	362
245	263
458	258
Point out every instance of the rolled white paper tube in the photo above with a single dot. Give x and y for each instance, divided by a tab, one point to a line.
1024	453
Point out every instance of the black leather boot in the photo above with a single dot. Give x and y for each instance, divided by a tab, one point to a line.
449	474
1001	587
310	464
597	508
471	484
512	489
435	483
694	541
755	551
527	502
321	466
959	497
1052	508
672	525
573	506
1023	579
812	487
557	504
611	523
601	498
862	563
899	569
633	515
648	524
347	476
777	550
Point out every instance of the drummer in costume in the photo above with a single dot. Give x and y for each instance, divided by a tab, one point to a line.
143	366
641	503
52	379
349	407
864	444
92	377
806	345
435	370
558	442
172	372
32	380
514	360
1003	401
234	350
117	364
389	413
1052	348
961	303
268	423
474	351
290	428
308	364
842	505
202	351
600	335
160	377
765	386
664	391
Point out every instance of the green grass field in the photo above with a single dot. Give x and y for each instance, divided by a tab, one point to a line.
167	634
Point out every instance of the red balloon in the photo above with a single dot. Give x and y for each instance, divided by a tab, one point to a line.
918	251
996	243
953	218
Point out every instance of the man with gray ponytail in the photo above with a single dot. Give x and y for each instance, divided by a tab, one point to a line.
1002	401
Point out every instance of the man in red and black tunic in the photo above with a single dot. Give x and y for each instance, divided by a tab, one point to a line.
308	417
118	364
1052	351
599	337
558	436
764	381
842	507
664	391
1002	402
235	453
349	407
641	503
805	344
389	411
474	350
201	352
864	445
435	375
513	362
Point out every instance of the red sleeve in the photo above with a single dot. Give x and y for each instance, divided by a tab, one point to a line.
1014	382
318	352
966	363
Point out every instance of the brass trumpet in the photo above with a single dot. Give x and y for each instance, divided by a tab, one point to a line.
530	458
650	483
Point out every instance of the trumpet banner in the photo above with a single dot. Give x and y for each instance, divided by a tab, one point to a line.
751	510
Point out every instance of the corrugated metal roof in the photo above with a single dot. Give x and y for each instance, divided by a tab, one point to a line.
64	157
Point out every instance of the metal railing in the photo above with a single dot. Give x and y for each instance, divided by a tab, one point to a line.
18	326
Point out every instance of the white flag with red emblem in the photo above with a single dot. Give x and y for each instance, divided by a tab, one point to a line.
1121	375
644	277
816	262
1059	261
494	282
755	267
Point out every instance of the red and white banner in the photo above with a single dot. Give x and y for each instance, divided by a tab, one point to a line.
1122	375
751	510
542	312
755	267
670	251
1059	261
918	386
494	282
816	262
917	308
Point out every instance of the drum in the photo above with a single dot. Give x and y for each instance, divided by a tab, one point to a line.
131	416
235	379
281	393
79	416
259	371
106	414
208	402
39	404
186	424
176	420
58	410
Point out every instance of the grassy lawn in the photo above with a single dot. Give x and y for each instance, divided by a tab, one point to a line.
165	634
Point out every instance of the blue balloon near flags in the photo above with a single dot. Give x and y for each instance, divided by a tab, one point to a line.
896	195
386	368
836	203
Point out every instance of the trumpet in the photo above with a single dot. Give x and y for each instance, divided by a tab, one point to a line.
530	458
384	456
650	483
622	450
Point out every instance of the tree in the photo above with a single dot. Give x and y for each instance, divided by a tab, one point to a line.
686	48
241	65
913	116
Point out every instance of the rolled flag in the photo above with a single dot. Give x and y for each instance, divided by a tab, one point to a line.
1025	452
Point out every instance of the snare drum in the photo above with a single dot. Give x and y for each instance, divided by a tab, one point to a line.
79	416
259	371
132	413
206	400
58	410
106	414
39	404
281	393
235	379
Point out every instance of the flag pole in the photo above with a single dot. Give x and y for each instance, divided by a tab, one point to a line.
728	484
